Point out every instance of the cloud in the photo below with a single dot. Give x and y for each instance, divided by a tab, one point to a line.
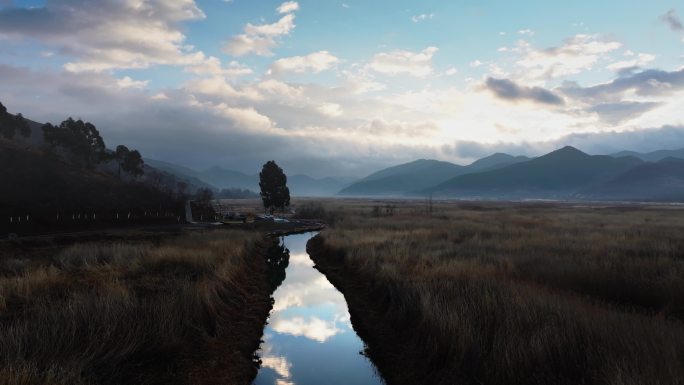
601	143
108	34
476	64
247	118
279	364
289	6
422	17
314	62
672	20
616	113
631	65
260	39
213	66
314	328
451	71
330	109
509	90
127	82
577	54
645	83
418	64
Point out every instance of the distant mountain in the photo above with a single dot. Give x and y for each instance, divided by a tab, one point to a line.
224	178
218	178
498	160
303	185
557	175
654	156
181	173
405	178
411	178
653	181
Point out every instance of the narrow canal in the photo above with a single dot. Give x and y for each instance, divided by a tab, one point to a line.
309	339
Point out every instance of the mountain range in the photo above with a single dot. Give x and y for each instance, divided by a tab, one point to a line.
566	173
422	174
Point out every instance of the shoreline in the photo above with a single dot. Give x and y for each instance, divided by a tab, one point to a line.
366	304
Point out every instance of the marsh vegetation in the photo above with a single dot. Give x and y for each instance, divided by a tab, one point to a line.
187	309
513	293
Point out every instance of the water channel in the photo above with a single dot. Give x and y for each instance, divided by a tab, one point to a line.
309	339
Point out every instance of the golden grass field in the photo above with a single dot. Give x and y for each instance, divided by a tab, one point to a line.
511	293
471	293
187	309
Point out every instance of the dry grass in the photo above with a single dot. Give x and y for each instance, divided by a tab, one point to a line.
127	313
513	294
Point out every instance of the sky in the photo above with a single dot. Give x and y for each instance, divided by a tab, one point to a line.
343	88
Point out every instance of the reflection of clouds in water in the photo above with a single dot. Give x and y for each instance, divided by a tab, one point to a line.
301	259
305	287
311	290
309	318
279	364
314	329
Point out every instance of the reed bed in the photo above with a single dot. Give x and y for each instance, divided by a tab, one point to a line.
180	311
513	293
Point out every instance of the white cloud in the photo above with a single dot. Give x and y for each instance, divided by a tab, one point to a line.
418	64
577	54
260	39
314	328
213	66
476	64
451	71
314	62
114	35
639	60
127	82
218	89
330	109
288	6
527	32
247	118
422	17
279	364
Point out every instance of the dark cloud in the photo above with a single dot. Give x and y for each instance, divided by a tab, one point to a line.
651	82
672	20
615	113
509	90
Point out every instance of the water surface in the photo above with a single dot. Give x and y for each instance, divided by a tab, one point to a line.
309	339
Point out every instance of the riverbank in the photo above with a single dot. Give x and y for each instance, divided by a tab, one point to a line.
183	309
513	294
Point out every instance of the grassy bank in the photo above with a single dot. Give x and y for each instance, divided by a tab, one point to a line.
512	294
183	310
